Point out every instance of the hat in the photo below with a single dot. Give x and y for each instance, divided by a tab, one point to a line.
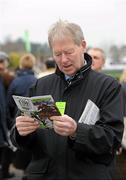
4	56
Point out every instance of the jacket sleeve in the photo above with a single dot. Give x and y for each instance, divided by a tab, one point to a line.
21	142
105	136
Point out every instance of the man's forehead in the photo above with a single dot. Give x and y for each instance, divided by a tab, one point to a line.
64	49
93	51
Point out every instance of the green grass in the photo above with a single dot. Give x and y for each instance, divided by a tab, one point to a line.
114	73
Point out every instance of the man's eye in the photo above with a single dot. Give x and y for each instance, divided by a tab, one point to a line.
58	54
68	52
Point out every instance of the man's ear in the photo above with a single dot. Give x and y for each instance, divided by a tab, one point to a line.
83	45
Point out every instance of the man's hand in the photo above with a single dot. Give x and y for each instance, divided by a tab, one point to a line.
64	125
26	125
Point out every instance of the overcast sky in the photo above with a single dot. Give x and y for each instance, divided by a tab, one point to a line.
102	21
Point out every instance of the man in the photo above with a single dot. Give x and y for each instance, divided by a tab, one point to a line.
80	145
98	58
5	152
50	68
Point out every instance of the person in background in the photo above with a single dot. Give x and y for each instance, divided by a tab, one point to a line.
25	77
80	145
121	154
123	83
5	151
50	68
98	58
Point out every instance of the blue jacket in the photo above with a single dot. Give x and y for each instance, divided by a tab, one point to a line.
3	124
20	86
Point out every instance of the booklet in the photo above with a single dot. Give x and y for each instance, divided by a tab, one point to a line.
40	107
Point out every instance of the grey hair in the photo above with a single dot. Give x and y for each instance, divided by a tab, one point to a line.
100	50
62	29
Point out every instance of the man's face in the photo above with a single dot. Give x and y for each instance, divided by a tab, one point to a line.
2	67
97	59
68	56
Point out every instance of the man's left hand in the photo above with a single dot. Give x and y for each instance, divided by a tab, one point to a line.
64	125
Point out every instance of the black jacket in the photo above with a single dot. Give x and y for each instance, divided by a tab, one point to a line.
91	154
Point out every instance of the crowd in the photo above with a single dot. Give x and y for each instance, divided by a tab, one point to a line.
87	141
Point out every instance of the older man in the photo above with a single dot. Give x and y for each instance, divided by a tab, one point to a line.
82	143
98	58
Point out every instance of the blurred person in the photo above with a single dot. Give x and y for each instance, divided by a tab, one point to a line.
121	154
25	77
5	151
123	83
50	68
74	149
98	58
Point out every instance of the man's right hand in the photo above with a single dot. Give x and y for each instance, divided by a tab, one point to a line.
26	125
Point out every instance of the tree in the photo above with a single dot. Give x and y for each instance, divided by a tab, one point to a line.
14	60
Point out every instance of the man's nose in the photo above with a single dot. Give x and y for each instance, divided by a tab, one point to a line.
64	57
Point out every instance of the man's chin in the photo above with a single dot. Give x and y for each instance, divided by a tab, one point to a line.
69	73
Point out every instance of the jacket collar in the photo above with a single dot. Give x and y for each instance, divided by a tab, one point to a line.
80	71
24	72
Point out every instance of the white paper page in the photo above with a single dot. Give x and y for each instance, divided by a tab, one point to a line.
23	103
90	114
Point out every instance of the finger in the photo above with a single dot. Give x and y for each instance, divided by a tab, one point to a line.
62	133
56	118
62	129
23	124
27	124
58	129
59	124
25	133
27	128
65	125
25	119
